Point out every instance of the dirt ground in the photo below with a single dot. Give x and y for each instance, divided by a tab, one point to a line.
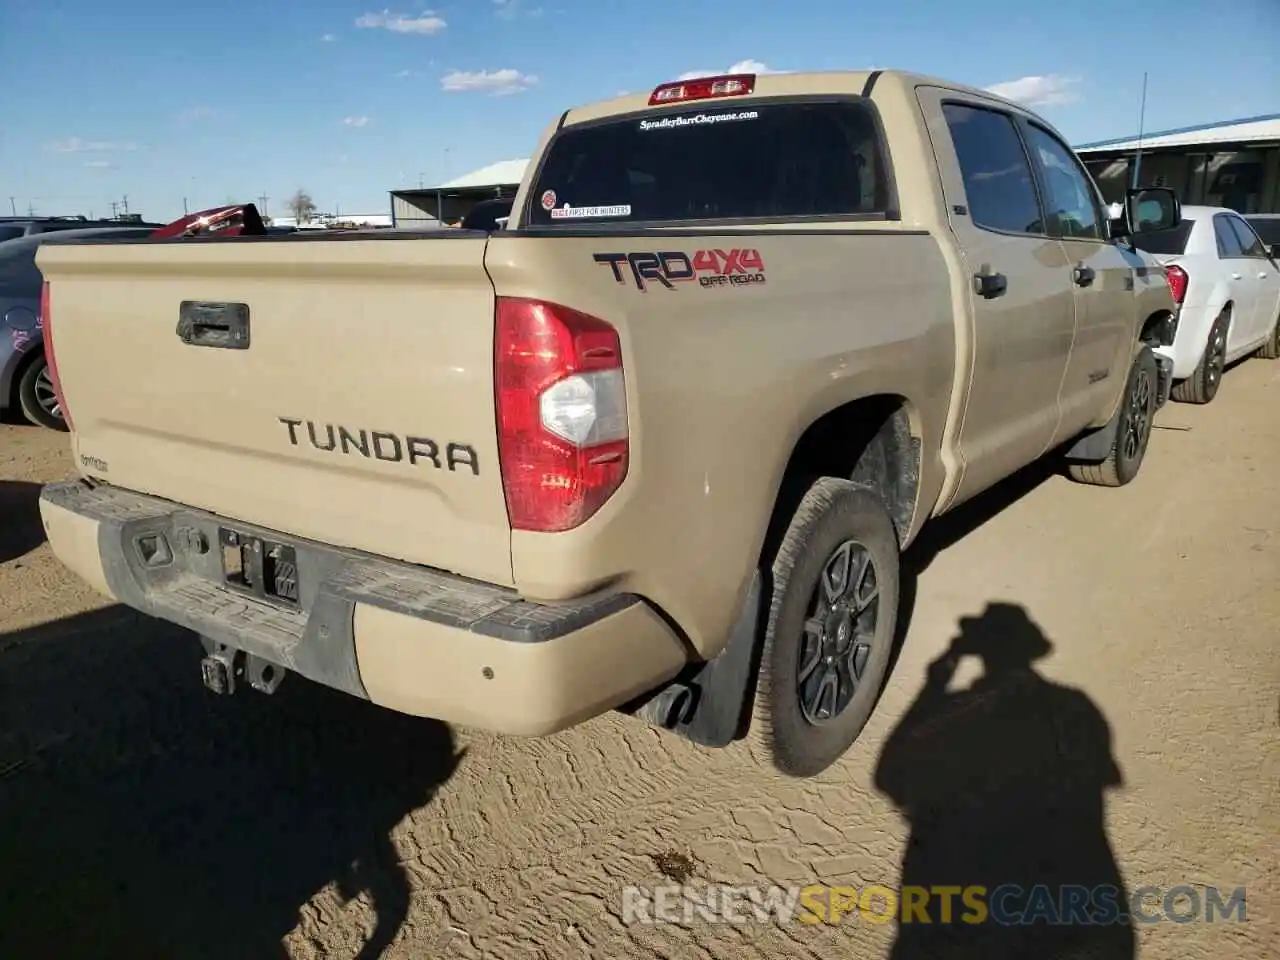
1135	740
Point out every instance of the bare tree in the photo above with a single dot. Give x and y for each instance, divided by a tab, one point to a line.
302	206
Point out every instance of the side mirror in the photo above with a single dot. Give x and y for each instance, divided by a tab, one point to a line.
1274	251
1149	209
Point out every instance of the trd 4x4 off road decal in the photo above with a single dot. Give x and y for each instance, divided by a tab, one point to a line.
710	268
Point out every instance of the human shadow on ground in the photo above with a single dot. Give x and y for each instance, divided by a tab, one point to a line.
1004	785
141	816
20	528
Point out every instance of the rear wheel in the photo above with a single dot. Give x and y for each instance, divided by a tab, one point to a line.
830	630
37	397
1131	429
1271	349
1202	385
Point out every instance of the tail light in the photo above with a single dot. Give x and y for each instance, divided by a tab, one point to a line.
1177	280
562	413
704	88
50	355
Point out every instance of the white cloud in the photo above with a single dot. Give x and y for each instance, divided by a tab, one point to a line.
356	122
1051	90
511	9
100	165
407	73
742	66
494	82
426	23
76	145
328	38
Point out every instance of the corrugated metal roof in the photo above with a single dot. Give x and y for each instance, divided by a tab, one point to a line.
500	174
1246	130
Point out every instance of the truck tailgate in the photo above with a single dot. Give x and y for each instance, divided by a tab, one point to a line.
358	411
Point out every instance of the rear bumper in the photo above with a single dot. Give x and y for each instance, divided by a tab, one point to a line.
406	637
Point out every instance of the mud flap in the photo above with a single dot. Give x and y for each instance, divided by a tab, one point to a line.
708	704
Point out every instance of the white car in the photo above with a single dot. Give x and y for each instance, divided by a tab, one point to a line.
1227	287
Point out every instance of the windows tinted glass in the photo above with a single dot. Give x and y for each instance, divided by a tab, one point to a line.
997	176
1168	242
1069	197
714	163
11	233
1228	243
1249	241
1268	228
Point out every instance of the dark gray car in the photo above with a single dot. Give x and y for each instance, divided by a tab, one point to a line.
25	384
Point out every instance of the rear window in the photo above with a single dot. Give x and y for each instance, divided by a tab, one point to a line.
12	233
759	160
1165	242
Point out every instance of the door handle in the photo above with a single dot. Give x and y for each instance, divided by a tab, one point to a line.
1082	276
990	285
220	325
1236	276
1263	275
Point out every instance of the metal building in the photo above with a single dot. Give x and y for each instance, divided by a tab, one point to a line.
422	207
1233	164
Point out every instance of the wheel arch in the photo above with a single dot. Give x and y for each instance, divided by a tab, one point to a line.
875	440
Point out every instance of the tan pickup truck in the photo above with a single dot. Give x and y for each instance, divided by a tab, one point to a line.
654	446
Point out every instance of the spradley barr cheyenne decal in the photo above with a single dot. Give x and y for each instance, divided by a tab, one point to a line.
710	268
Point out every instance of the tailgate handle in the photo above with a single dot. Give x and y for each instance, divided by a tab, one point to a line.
205	324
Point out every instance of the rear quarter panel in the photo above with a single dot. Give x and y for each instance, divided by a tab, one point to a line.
721	382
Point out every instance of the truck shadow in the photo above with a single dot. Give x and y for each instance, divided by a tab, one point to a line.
145	817
1004	786
20	528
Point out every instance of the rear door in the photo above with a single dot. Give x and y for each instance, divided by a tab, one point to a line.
1240	274
1262	275
1021	301
1103	277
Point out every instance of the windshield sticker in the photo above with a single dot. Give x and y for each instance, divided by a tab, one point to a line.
548	200
697	120
581	213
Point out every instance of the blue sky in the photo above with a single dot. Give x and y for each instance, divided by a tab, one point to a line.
162	100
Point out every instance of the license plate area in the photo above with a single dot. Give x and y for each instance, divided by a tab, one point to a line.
263	568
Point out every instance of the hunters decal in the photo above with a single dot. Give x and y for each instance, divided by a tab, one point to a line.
708	268
548	200
581	213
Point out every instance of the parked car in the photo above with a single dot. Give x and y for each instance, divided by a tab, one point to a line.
25	383
12	228
1227	286
741	339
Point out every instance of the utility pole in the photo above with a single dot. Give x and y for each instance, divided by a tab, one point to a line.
13	205
264	198
114	210
125	205
31	209
184	206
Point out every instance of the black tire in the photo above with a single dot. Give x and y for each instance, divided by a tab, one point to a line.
1202	385
1132	429
1271	349
836	517
35	391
